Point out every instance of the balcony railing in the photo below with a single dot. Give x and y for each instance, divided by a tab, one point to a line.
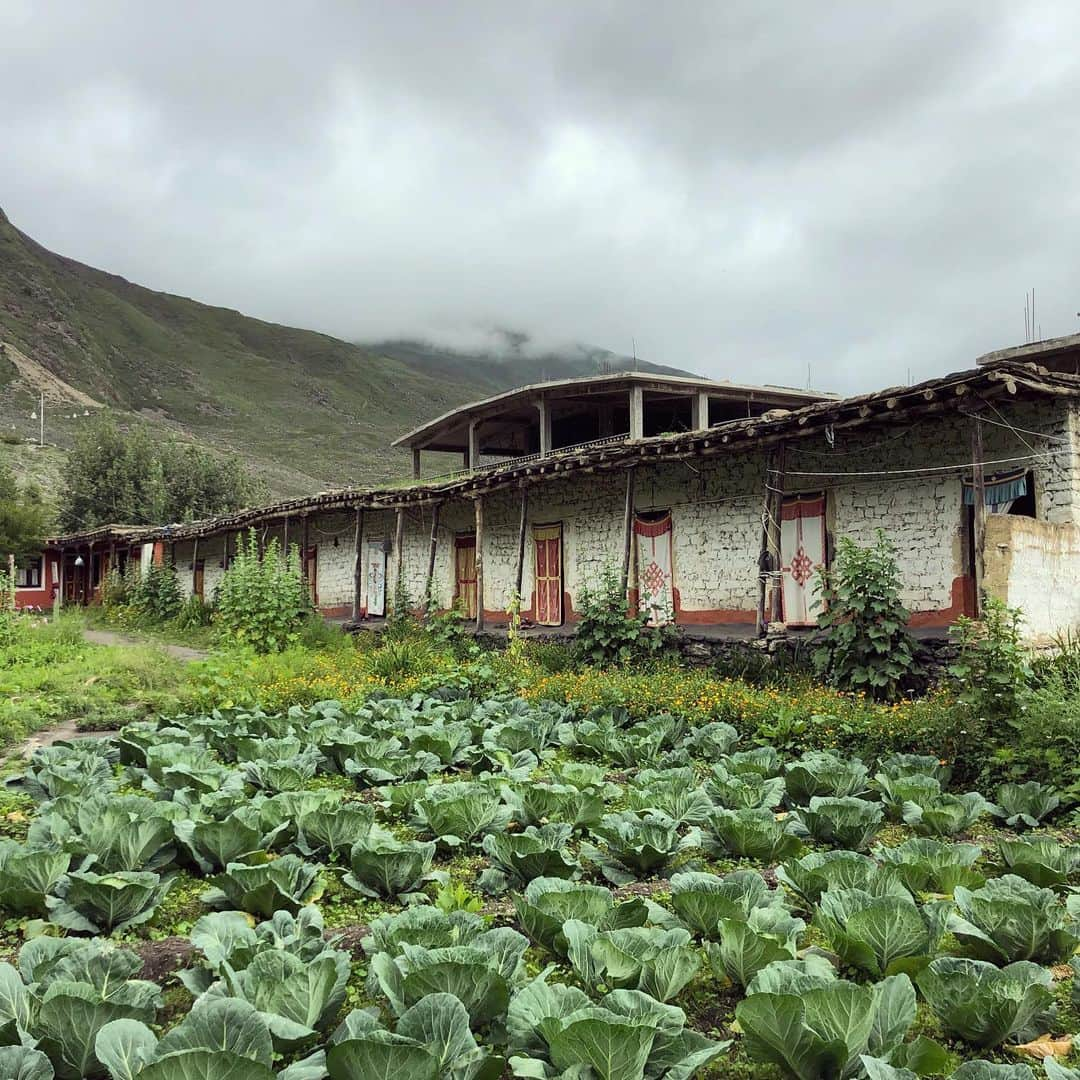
525	459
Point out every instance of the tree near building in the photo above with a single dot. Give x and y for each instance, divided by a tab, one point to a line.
112	476
117	475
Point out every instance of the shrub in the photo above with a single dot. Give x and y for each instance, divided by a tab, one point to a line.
318	635
1060	666
7	613
193	613
608	632
992	673
263	600
1042	743
154	596
447	630
552	657
399	658
114	590
866	642
401	620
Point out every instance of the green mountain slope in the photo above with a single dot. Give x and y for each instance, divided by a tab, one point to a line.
304	409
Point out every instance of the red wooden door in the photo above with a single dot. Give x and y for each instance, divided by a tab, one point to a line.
199	580
549	583
465	575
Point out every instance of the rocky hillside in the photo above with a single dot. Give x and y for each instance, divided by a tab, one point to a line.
306	410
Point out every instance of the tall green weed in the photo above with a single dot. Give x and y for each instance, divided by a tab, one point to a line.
263	600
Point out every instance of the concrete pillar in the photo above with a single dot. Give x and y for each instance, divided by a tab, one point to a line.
637	413
544	409
474	444
699	408
416	463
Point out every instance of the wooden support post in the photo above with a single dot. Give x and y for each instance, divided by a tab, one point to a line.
522	523
432	547
306	539
112	558
479	506
776	606
59	602
399	561
285	537
194	563
358	561
416	463
628	530
979	511
770	594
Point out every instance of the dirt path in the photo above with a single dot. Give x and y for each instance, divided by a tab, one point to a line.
108	637
50	735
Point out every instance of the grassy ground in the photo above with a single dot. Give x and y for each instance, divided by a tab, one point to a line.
50	675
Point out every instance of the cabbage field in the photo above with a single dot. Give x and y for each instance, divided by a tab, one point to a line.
442	887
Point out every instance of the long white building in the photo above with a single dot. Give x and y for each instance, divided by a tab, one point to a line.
715	502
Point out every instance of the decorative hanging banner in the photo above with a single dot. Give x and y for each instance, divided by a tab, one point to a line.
1000	488
652	537
376	578
802	554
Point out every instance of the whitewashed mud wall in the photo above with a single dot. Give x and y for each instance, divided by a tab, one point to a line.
716	510
332	536
1035	566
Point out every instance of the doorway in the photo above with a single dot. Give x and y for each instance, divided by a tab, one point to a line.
465	574
548	585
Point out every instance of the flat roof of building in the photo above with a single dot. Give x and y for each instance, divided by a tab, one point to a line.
1057	354
596	385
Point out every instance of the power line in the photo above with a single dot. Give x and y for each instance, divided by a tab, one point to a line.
1018	430
927	469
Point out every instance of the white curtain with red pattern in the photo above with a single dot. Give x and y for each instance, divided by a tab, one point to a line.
802	554
655	582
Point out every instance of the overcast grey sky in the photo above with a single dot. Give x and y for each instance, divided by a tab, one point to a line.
744	187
